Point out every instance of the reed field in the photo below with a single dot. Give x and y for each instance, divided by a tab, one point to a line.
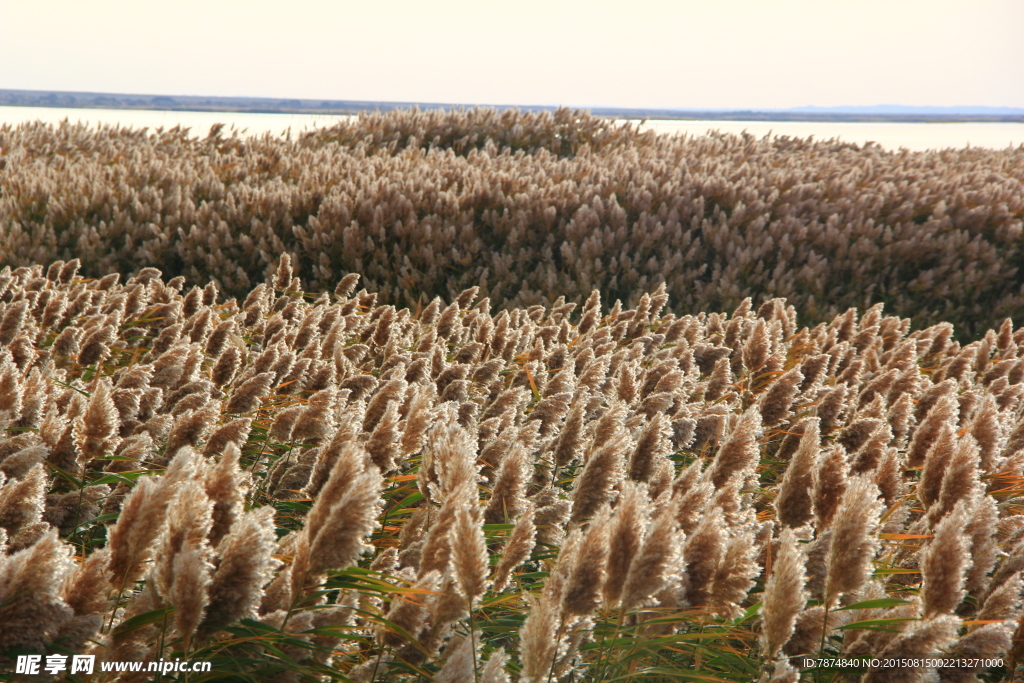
481	397
318	486
530	207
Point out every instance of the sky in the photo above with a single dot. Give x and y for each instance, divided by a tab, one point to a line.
714	54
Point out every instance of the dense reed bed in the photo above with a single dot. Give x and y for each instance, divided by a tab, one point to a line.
531	207
317	486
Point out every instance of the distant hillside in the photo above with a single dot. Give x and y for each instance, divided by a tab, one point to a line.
90	100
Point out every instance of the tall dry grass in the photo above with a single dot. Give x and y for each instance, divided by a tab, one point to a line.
531	207
305	486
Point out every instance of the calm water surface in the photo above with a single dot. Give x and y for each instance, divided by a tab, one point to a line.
199	122
912	136
893	136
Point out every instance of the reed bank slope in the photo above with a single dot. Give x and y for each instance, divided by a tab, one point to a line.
530	207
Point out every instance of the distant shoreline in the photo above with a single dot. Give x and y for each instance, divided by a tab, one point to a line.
266	105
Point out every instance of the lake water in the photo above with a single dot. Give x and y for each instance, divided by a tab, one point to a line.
913	136
892	136
198	121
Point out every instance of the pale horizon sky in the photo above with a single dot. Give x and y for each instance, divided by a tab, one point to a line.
750	54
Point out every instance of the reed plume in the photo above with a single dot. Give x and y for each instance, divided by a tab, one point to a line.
703	551
739	453
594	484
586	580
777	400
830	481
246	397
539	637
494	669
960	481
232	433
469	554
31	611
929	429
626	531
131	538
244	565
853	543
516	549
931	635
658	563
508	496
784	594
95	432
338	540
651	447
944	562
936	461
10	324
225	484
